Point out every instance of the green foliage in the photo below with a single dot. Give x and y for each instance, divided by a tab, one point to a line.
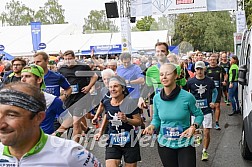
97	21
208	31
248	11
51	13
146	24
18	14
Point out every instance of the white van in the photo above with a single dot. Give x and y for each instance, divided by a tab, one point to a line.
245	93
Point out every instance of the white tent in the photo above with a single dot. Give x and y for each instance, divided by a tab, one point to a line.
61	37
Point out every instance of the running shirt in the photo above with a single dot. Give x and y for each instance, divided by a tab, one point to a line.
116	126
51	151
226	66
216	74
130	73
202	90
54	81
173	117
76	82
54	107
153	78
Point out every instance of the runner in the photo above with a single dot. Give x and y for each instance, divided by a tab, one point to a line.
121	117
204	91
173	107
23	143
217	74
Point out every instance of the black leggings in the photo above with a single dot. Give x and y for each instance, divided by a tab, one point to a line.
182	157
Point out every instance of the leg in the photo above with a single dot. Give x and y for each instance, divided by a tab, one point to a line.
206	140
113	162
231	98
187	157
217	112
76	128
168	156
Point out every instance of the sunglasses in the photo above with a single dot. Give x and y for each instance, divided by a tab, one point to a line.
35	66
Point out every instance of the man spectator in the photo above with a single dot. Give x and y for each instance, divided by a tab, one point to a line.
23	143
17	66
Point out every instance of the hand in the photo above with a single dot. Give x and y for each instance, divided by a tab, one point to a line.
141	103
122	116
188	132
149	130
94	120
97	136
85	89
212	105
224	83
230	85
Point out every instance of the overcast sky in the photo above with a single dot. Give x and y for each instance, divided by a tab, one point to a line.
75	10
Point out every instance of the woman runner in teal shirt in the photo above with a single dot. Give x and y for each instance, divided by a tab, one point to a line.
173	108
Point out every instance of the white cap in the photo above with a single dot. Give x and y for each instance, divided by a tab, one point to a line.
200	64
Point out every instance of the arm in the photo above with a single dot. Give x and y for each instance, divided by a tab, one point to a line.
137	81
233	75
93	79
67	92
135	121
214	95
98	112
195	111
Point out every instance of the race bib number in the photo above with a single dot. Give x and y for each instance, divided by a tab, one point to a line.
158	90
172	133
202	103
75	89
217	84
120	138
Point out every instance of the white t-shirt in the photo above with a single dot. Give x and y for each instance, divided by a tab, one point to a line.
51	151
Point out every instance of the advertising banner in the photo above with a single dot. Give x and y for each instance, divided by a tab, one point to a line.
36	35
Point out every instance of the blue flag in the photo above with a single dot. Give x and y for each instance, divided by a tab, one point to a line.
36	34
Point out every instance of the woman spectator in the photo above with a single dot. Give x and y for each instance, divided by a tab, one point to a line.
173	107
233	85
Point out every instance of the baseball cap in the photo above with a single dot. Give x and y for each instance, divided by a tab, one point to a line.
35	70
200	64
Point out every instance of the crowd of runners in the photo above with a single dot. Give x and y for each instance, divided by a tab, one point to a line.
180	93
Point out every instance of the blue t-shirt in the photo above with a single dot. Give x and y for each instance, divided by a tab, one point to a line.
130	73
54	107
54	81
202	90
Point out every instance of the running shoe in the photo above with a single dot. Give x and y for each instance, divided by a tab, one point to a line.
217	127
204	156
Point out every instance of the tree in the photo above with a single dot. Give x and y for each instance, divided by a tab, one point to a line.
98	21
207	31
248	12
51	13
17	14
147	23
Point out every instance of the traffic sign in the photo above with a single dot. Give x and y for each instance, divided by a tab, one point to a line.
41	46
2	48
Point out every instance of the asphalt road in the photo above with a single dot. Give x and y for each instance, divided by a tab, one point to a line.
223	151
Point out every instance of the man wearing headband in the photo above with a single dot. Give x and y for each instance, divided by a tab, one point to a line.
34	75
23	143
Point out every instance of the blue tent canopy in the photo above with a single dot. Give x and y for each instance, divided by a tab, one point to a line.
6	56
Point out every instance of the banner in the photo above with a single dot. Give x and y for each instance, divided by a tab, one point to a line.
160	7
240	21
36	34
106	49
126	35
220	5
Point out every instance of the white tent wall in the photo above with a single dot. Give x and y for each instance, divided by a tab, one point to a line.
18	40
61	37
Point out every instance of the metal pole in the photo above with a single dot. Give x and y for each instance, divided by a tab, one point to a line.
243	5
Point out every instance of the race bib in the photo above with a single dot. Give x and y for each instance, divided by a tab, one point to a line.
172	133
120	138
75	89
201	103
217	84
158	90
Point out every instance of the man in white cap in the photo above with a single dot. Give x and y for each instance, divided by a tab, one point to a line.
203	89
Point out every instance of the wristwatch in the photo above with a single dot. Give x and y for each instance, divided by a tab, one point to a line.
195	125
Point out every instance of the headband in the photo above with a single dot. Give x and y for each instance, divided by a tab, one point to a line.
22	100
